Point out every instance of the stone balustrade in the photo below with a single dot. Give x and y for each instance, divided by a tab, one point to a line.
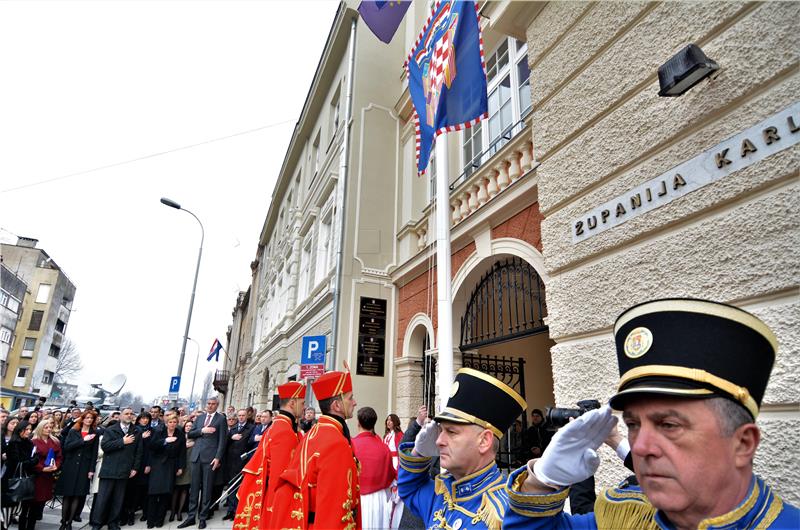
513	161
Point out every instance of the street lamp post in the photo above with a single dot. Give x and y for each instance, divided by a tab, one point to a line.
194	376
173	204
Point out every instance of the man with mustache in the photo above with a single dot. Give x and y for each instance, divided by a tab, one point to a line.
692	377
466	437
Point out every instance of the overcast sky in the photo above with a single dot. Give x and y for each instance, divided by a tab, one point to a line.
96	84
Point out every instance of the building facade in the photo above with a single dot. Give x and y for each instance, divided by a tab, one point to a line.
584	192
41	328
12	293
335	191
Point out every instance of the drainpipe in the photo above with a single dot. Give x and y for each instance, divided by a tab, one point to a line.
330	361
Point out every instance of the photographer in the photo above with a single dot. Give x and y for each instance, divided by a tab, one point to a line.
537	436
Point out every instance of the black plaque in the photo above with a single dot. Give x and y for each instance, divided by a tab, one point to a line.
371	337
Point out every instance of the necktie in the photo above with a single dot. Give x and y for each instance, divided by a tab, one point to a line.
208	420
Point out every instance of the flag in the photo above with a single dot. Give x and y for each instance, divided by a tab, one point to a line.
215	348
447	75
50	459
383	18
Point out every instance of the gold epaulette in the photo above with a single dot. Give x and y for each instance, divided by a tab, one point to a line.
624	509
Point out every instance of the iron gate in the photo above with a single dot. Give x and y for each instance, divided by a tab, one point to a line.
508	303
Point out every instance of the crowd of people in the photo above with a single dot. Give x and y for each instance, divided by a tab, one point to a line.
127	464
689	406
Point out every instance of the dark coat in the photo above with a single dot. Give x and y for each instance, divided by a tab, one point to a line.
165	460
44	481
17	452
141	477
119	459
80	458
209	446
235	449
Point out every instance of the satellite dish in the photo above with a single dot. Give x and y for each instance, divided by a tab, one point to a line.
116	384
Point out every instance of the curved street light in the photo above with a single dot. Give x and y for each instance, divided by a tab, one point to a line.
172	204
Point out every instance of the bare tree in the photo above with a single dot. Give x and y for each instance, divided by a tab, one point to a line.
68	365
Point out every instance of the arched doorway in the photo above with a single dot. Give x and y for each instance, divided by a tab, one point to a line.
499	311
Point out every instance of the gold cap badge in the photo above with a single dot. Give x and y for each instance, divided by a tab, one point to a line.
638	342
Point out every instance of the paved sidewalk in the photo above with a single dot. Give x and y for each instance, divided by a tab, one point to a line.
52	520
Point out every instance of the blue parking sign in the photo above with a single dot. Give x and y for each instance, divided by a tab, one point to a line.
175	383
313	351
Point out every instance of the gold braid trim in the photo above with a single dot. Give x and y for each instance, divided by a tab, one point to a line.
488	514
627	514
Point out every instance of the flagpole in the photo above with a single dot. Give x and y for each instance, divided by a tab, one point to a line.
444	328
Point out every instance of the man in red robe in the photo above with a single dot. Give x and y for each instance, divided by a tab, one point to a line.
320	489
275	451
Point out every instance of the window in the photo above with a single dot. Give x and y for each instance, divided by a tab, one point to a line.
5	335
29	344
60	326
9	301
315	154
305	280
22	373
36	320
508	77
324	246
335	113
55	351
47	377
43	295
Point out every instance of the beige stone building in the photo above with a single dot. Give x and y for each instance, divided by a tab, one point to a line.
724	228
583	193
292	294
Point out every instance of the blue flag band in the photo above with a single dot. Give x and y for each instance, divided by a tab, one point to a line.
383	18
447	75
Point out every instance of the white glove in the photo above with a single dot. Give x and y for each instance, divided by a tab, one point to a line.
571	455
425	442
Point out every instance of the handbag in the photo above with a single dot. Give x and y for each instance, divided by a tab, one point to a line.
20	486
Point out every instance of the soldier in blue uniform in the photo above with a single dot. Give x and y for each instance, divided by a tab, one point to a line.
466	437
692	377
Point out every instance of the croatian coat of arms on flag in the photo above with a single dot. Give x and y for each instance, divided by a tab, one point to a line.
447	75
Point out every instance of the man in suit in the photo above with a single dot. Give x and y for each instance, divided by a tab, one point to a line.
156	423
263	422
122	448
210	432
238	442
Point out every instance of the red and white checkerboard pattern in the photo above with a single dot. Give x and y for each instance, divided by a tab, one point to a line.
441	68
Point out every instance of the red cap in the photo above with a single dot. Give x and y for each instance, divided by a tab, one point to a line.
332	384
292	389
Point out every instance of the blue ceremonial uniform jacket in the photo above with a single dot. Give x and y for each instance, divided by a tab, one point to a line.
475	501
629	508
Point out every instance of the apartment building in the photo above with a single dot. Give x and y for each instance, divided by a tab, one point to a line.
32	359
12	293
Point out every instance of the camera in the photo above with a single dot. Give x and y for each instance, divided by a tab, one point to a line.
558	417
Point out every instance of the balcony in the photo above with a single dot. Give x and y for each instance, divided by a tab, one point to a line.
221	378
508	159
63	314
19	382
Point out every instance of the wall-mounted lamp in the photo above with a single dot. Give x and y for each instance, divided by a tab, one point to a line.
684	70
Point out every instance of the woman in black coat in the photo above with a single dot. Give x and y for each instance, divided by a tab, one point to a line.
19	453
80	457
167	461
136	490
